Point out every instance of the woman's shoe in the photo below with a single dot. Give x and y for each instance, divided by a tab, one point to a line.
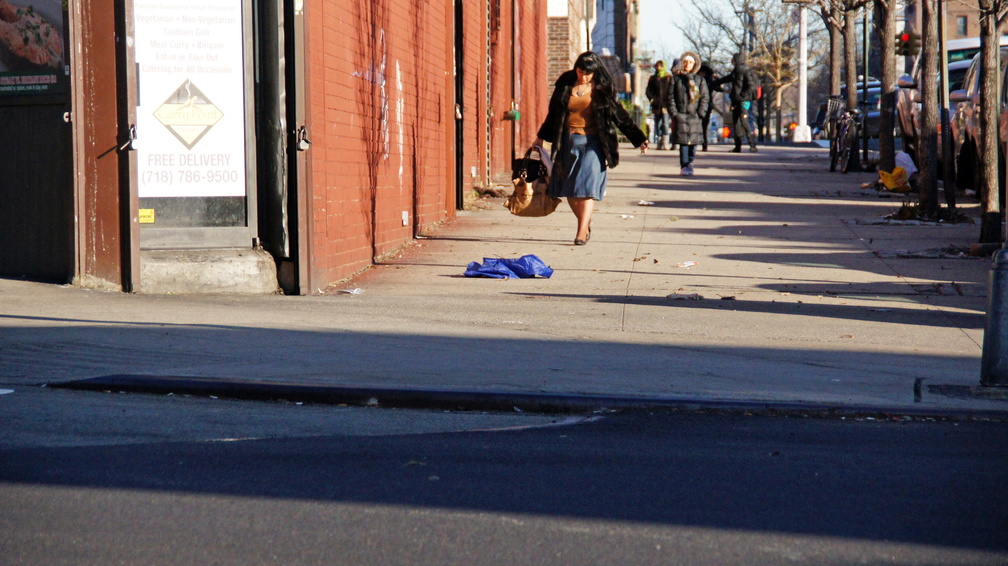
578	242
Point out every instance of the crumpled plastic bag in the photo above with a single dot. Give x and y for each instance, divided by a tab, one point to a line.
502	268
897	181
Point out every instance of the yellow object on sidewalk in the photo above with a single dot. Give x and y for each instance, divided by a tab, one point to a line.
896	181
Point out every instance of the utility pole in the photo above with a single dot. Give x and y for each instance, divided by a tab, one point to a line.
864	83
946	134
802	133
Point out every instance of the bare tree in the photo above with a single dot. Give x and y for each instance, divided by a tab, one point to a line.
711	35
774	53
928	139
655	51
715	45
992	19
885	28
850	13
831	12
839	16
762	28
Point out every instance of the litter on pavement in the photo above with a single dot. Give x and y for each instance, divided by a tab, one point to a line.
501	268
685	297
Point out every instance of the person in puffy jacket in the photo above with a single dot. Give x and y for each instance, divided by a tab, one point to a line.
744	85
581	125
688	100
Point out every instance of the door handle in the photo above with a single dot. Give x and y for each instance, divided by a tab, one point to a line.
131	141
303	143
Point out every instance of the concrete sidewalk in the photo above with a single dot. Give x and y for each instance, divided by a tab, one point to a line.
788	290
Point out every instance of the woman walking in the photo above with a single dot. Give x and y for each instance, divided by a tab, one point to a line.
688	100
581	126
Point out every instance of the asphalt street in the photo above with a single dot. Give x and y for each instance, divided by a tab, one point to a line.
667	487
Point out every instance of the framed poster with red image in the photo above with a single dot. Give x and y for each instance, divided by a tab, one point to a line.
33	49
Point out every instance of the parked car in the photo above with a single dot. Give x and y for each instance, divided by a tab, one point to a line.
965	126
960	54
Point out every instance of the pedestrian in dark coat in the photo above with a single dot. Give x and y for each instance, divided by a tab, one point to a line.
657	92
707	73
688	101
581	124
744	84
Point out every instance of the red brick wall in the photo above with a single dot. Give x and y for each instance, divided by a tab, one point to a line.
534	89
474	109
518	72
382	113
501	93
558	55
565	37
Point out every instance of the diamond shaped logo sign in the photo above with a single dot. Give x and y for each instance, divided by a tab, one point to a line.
188	114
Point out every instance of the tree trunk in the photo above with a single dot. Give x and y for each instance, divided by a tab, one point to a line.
780	119
885	27
990	228
850	57
927	143
836	52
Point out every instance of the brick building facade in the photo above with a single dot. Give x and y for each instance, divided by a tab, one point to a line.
567	33
384	116
365	124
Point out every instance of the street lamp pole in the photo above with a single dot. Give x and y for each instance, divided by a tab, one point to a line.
865	50
802	133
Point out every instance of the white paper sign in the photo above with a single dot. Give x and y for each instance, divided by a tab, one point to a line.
191	113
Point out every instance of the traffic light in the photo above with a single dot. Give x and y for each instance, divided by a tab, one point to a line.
914	44
903	41
907	44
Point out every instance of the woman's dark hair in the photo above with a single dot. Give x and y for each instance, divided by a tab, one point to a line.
590	62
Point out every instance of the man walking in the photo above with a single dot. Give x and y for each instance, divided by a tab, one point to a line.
708	75
657	89
744	83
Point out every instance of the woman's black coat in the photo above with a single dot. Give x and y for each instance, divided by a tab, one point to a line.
609	114
689	110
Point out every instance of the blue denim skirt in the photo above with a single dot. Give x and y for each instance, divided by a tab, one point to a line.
578	170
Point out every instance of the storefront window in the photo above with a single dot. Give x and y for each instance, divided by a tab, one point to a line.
191	114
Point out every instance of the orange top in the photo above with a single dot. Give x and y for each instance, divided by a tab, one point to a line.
579	115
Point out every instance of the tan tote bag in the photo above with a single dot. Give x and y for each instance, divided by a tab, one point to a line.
531	181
